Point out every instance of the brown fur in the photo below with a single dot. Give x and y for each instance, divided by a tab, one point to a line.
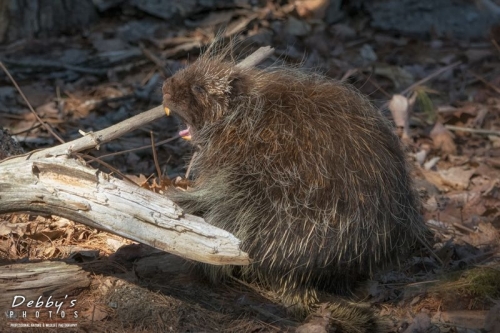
303	170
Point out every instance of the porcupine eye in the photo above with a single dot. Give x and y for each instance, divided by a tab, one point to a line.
198	90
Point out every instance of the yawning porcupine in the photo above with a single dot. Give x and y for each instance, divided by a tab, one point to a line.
304	171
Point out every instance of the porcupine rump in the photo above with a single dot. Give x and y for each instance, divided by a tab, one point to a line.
302	169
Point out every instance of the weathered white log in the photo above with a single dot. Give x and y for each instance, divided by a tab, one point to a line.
48	278
51	181
65	187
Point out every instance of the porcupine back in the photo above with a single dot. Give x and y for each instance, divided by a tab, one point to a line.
309	176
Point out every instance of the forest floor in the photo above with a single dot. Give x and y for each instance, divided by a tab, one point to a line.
442	93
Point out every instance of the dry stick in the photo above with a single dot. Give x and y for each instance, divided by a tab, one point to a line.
157	144
35	126
257	57
155	157
349	73
431	76
496	44
489	85
94	140
56	64
376	85
425	79
154	59
45	125
472	130
110	167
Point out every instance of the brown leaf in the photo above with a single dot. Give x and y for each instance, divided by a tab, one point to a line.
400	110
97	313
443	139
486	234
456	177
13	228
311	9
433	178
421	323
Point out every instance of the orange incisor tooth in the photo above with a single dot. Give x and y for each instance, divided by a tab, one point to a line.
167	110
187	137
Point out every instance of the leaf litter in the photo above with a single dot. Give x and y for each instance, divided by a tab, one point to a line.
443	93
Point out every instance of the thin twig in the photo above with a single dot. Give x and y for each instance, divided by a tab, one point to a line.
489	85
425	79
377	86
472	130
55	64
155	156
431	76
463	228
27	130
110	167
44	124
496	44
154	59
350	72
157	144
256	58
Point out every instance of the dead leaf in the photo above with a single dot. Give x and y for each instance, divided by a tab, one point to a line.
8	247
13	228
311	9
486	234
456	177
139	180
420	156
434	178
400	110
421	323
431	163
97	312
479	120
443	139
495	140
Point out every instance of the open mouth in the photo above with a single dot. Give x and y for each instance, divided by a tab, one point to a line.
185	134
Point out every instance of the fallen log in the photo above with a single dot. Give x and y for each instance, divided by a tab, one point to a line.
47	278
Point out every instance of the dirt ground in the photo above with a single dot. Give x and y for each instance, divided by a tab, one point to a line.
442	91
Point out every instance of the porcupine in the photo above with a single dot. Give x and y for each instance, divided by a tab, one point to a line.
304	171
